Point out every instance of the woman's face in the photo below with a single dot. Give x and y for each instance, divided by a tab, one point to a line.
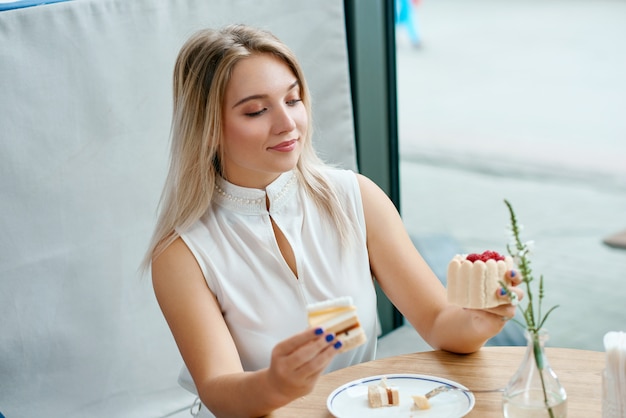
264	122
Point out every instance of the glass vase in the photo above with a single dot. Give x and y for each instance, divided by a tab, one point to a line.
534	390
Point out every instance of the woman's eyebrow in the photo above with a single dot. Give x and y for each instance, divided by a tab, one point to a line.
263	96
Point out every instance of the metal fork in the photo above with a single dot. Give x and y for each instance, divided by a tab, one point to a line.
441	389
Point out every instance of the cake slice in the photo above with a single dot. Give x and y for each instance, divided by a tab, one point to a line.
382	395
338	317
420	402
474	279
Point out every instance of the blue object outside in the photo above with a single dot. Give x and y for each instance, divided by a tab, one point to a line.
25	3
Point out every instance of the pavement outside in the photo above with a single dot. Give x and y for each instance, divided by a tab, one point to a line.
524	101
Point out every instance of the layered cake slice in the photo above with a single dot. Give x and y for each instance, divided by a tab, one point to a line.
474	279
381	394
338	316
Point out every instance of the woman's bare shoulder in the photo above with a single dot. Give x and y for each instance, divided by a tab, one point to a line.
175	268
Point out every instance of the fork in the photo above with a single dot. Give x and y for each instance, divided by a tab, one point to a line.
441	389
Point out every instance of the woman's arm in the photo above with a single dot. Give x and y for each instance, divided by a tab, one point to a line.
412	286
195	319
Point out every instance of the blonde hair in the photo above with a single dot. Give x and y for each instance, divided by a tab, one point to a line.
201	73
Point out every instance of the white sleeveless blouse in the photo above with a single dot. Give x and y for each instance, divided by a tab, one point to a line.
261	299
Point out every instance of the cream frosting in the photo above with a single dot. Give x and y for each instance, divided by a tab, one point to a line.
475	284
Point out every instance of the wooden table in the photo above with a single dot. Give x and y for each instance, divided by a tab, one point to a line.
579	371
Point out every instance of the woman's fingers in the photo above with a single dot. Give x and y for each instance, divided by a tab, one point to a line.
291	344
513	277
511	292
295	352
298	361
505	293
507	310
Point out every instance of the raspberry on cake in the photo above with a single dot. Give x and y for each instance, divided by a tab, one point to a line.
474	279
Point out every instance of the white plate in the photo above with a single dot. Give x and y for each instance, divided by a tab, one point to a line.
350	400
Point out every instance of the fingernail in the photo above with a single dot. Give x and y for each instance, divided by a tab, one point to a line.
512	273
502	291
330	337
337	345
319	331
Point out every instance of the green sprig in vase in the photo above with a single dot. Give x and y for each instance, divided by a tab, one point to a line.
534	390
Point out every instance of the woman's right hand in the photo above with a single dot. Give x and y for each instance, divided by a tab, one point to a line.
298	361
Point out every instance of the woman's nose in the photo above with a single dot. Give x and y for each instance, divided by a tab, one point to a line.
283	120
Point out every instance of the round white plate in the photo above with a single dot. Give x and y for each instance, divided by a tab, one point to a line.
350	400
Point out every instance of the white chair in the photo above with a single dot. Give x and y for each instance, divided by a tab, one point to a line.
85	109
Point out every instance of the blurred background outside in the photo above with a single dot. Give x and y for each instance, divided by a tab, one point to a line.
525	101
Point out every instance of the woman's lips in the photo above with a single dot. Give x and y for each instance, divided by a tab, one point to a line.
286	146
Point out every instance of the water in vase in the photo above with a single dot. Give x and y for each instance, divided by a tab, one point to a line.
532	405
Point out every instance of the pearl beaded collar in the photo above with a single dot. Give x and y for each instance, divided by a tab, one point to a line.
237	199
253	201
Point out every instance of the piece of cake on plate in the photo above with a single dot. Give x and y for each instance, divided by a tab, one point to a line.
381	394
338	317
474	279
420	402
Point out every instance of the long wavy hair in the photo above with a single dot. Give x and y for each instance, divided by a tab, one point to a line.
202	71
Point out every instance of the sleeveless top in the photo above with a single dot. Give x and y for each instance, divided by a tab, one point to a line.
261	299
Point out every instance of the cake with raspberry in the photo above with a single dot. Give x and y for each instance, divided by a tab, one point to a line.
474	279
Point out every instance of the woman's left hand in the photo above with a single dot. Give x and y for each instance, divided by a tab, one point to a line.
495	318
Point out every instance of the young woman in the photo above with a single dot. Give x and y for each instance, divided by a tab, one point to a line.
254	227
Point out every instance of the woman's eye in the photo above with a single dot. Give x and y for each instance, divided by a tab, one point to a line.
257	113
293	102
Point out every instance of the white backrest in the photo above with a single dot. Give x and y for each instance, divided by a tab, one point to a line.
85	103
